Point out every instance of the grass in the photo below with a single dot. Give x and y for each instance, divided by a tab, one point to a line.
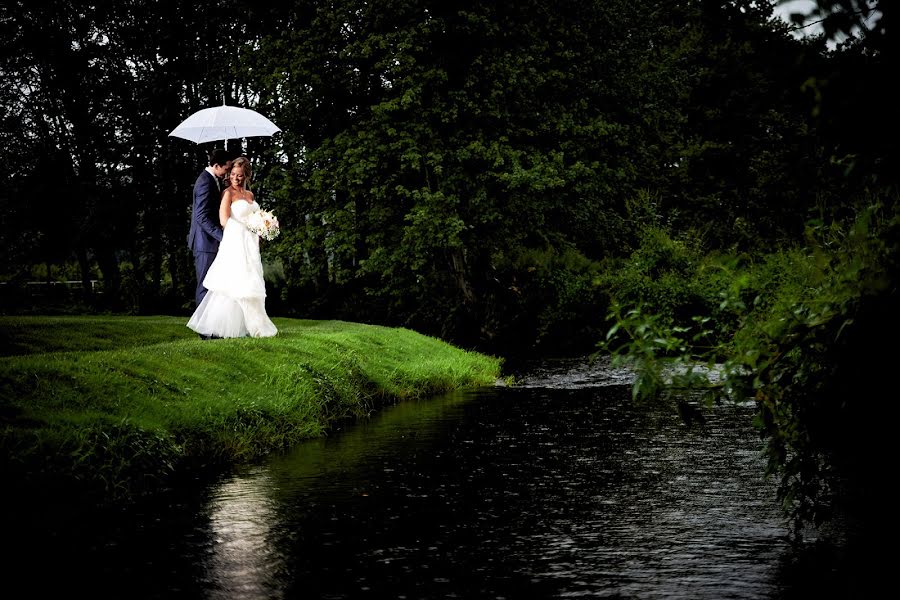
117	406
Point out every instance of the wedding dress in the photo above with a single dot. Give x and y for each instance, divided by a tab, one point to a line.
235	305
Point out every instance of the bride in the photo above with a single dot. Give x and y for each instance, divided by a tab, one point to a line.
235	303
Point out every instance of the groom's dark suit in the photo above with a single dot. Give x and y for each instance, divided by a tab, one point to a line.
205	233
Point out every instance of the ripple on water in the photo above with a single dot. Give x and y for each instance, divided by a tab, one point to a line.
557	487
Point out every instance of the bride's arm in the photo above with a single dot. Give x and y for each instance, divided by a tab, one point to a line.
225	207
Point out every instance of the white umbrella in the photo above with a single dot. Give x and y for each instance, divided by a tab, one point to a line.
224	123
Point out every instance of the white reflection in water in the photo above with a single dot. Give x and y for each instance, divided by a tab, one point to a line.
240	564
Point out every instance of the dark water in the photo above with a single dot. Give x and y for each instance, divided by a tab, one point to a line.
560	487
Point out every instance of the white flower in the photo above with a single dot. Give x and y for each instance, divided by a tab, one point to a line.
264	224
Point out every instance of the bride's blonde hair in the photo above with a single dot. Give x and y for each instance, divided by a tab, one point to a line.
244	163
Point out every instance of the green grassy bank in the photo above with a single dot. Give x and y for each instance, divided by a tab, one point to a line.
117	406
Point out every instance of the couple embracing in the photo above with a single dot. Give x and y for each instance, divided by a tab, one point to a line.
231	292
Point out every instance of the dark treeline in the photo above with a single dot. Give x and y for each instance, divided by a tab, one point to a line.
467	169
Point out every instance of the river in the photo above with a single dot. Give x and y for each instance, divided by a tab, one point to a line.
557	487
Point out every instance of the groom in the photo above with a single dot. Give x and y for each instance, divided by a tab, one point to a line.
206	233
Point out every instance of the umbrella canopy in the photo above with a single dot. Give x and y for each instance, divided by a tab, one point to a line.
224	123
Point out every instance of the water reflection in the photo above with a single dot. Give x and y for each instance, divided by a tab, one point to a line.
240	564
534	490
556	488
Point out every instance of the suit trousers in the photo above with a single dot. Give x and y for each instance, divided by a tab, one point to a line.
202	262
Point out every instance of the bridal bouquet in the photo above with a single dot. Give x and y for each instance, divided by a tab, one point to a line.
264	224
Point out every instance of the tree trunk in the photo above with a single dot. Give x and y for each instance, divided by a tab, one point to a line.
85	267
457	259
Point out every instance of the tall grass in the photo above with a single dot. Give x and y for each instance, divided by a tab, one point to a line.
117	405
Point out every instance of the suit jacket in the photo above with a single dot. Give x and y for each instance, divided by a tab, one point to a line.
205	233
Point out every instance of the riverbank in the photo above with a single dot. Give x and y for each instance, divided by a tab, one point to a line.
115	407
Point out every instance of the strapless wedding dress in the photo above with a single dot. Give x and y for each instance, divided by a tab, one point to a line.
235	305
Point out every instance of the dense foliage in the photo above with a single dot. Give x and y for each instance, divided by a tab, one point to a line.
798	328
457	168
799	331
